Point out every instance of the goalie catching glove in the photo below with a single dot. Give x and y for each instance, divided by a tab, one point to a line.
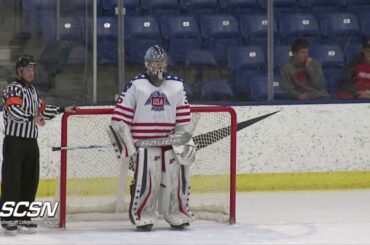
185	154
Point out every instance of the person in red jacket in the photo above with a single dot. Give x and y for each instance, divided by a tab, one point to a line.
356	80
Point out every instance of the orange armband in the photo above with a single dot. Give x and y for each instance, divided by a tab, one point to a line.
15	100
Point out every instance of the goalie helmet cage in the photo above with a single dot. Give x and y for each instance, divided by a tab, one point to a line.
90	179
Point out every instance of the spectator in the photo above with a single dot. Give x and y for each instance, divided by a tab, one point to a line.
302	76
356	80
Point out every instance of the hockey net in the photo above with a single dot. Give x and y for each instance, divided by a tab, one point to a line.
93	185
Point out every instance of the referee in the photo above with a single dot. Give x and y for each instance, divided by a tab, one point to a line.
24	110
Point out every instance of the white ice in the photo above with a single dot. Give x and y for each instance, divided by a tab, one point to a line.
320	217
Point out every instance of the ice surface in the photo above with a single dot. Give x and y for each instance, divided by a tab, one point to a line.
320	217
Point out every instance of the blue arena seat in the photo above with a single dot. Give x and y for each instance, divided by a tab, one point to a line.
364	18
160	7
242	82
46	24
286	5
320	6
182	35
198	58
214	90
238	6
199	6
330	56
340	28
109	7
75	7
107	27
39	5
107	39
220	32
351	52
179	26
253	28
296	25
198	61
141	32
71	28
333	78
258	87
282	54
246	57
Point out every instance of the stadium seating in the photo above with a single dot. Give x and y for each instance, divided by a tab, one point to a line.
238	6
333	78
247	58
199	6
253	28
340	28
107	28
39	5
330	56
281	5
320	6
75	7
182	35
332	61
198	61
107	39
200	58
296	25
351	52
220	32
364	18
282	54
71	28
141	32
258	87
188	90
216	90
358	3
108	7
242	82
160	7
242	62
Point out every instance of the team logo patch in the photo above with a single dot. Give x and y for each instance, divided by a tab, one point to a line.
157	100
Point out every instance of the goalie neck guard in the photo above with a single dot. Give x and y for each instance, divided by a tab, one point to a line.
155	60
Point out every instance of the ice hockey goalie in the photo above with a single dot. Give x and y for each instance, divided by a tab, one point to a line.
154	105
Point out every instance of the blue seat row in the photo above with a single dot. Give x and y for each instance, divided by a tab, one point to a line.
247	70
217	33
159	7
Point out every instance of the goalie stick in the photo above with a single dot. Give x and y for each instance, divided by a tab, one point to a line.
179	140
140	143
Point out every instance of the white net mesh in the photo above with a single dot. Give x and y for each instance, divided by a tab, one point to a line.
95	186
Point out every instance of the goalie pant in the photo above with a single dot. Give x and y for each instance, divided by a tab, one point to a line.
159	179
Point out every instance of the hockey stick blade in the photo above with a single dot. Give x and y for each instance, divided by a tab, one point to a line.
164	141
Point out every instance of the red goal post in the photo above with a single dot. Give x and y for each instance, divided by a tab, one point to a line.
214	169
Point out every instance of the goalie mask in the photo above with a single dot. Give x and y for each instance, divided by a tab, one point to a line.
155	61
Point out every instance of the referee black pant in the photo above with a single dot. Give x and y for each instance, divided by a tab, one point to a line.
20	172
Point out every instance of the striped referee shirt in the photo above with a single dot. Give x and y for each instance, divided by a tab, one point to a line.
22	103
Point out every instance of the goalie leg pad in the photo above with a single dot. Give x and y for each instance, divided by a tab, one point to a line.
175	191
144	189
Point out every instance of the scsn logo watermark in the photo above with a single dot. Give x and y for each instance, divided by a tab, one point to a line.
30	209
